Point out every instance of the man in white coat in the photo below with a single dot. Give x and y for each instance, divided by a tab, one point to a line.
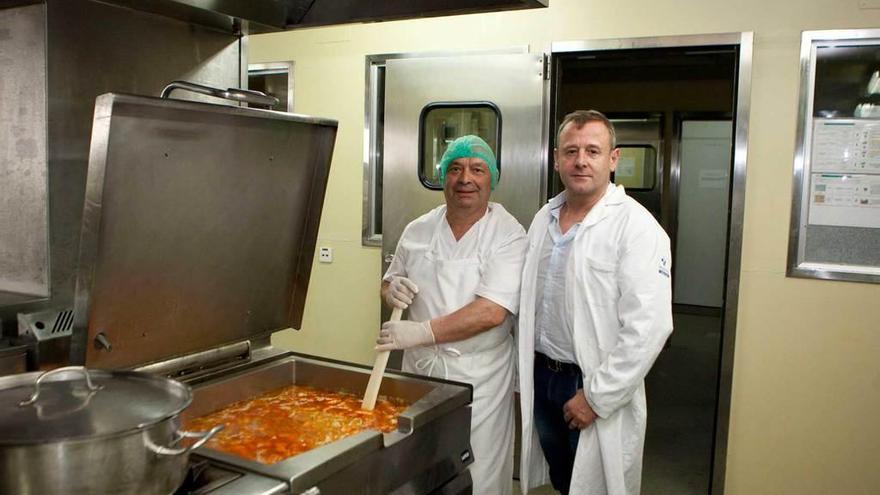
457	268
595	312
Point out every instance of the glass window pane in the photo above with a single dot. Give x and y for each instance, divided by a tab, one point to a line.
442	123
636	167
847	82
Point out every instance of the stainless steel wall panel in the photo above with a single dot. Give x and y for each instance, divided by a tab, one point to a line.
24	202
89	48
94	49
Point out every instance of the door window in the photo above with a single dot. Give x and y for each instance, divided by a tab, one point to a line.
637	167
442	123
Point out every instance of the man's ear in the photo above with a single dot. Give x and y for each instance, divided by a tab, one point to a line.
615	157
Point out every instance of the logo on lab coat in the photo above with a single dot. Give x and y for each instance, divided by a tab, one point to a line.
664	267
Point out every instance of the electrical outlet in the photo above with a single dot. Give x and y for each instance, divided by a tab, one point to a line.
325	255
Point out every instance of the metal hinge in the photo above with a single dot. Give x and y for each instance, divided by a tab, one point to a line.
201	362
546	69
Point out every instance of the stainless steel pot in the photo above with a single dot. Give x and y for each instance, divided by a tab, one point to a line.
79	431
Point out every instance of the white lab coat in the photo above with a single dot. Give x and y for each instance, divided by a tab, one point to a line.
620	303
486	262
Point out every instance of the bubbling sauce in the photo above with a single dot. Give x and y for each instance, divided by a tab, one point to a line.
285	422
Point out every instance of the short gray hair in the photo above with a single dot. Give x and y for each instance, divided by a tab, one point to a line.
580	117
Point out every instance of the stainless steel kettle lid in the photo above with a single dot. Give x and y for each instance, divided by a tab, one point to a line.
76	403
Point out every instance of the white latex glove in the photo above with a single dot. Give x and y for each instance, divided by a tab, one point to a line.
404	334
401	292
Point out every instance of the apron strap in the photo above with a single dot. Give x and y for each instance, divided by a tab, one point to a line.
439	353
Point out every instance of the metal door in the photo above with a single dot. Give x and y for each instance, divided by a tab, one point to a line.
640	168
701	227
512	84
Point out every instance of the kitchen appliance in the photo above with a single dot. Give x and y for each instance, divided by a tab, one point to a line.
429	449
198	237
48	333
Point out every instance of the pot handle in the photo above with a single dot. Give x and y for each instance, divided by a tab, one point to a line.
82	369
203	437
234	94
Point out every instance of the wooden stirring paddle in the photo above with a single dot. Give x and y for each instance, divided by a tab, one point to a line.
372	392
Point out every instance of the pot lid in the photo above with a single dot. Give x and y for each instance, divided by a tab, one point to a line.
76	403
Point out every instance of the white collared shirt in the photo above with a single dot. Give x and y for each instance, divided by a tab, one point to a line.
553	332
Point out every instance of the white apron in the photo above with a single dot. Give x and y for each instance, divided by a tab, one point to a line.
486	360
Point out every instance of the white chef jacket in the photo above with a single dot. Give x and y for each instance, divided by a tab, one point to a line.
621	315
486	262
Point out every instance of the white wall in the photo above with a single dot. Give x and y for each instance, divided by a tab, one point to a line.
806	388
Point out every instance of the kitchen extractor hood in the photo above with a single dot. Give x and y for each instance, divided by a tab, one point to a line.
260	16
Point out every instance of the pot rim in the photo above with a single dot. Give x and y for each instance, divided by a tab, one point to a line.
179	397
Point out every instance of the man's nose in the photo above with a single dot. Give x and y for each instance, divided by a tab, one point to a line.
465	176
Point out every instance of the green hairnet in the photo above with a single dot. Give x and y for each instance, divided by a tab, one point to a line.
469	147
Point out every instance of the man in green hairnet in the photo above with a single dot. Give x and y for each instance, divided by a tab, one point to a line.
457	269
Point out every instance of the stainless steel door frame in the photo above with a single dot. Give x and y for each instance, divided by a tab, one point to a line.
512	82
744	42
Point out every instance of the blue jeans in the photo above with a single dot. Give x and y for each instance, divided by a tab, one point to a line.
555	384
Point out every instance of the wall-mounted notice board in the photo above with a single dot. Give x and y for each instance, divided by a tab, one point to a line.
835	224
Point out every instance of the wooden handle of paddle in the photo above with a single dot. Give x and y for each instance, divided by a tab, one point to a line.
372	392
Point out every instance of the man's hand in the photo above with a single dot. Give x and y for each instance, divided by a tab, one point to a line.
404	334
401	292
577	411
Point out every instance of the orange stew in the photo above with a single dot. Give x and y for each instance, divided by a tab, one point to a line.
293	419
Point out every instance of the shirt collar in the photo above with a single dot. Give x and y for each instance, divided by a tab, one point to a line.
614	194
557	201
555	209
